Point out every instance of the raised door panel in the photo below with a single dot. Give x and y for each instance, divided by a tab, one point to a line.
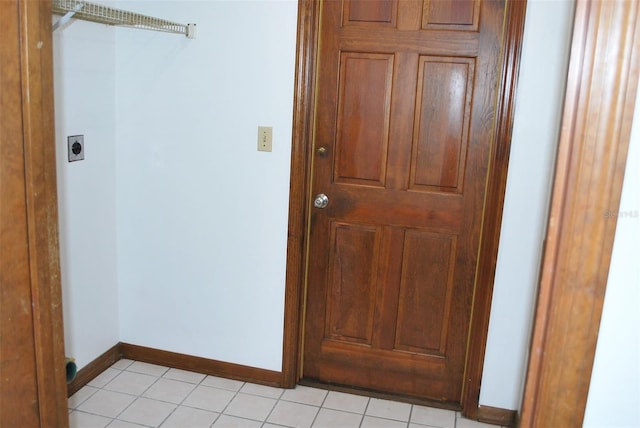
369	12
352	282
441	124
451	15
362	138
425	292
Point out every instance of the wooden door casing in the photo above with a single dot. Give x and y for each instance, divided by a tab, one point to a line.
596	128
405	115
32	384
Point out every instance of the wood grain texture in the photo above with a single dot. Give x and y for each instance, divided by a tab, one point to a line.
441	134
368	82
596	124
17	348
497	416
426	288
31	350
381	395
365	92
351	312
462	42
369	11
457	15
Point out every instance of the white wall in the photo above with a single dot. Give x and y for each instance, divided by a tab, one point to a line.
614	392
84	87
536	127
202	215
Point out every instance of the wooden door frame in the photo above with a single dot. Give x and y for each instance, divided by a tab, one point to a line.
30	124
596	127
300	195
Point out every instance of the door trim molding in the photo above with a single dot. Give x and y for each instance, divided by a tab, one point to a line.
592	154
300	188
304	102
494	202
35	370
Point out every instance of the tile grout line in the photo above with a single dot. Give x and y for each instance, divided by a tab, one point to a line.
101	388
137	396
326	395
278	400
180	404
272	409
365	411
227	405
410	416
177	405
221	412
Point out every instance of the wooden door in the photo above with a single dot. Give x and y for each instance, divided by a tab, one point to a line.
406	103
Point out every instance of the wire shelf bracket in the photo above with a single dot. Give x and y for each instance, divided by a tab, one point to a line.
107	15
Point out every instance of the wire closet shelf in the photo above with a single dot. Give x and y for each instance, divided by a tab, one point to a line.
107	15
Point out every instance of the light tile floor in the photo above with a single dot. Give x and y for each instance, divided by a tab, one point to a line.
132	394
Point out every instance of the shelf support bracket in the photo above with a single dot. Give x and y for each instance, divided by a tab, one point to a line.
67	16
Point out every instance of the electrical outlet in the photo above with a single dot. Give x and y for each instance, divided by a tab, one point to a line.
75	145
265	138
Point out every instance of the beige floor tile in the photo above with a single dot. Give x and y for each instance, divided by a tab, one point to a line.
147	412
250	407
305	395
169	390
141	394
346	402
212	399
86	420
328	418
184	376
226	421
79	397
184	417
293	414
106	403
104	378
222	383
373	422
440	418
122	364
389	409
148	369
131	383
122	424
262	390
